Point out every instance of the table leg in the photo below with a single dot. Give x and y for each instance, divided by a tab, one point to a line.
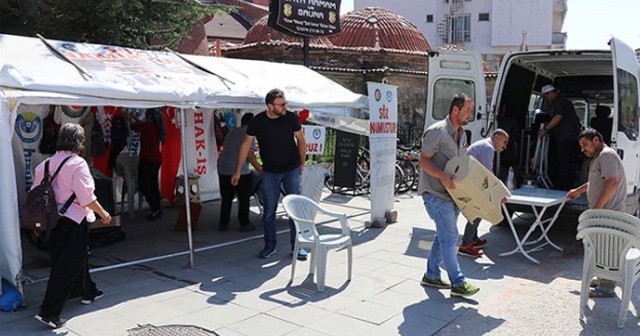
546	229
520	243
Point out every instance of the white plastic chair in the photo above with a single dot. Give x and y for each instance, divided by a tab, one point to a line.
301	210
312	182
611	242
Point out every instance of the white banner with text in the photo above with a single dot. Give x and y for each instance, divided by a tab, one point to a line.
383	130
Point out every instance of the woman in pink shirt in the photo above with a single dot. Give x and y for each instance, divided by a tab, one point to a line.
69	275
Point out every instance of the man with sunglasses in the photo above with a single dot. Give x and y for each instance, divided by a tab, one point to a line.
283	158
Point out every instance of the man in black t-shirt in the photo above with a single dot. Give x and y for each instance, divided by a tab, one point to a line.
564	128
282	162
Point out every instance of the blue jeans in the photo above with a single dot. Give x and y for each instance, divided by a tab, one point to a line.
443	250
271	186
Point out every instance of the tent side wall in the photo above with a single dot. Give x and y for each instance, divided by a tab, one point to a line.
10	247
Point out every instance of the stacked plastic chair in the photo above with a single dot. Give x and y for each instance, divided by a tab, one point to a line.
611	242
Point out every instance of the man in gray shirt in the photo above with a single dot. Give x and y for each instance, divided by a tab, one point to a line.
606	188
484	151
226	167
440	142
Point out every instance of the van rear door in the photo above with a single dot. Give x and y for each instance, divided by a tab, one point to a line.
450	73
624	137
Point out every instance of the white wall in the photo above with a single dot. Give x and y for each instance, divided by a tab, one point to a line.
503	31
511	17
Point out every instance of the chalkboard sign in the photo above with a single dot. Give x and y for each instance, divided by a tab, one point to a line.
345	158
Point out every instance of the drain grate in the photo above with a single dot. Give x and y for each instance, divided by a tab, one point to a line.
170	330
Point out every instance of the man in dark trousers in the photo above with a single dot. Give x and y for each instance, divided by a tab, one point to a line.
276	130
226	168
563	127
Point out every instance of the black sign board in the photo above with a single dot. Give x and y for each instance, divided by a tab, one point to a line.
345	158
305	17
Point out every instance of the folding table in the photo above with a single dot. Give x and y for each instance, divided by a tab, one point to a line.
540	200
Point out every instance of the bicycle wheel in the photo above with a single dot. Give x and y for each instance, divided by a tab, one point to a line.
398	180
329	180
409	171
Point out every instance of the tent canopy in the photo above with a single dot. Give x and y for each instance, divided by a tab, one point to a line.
304	88
34	71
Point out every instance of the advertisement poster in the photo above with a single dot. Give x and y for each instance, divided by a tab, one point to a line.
383	130
314	136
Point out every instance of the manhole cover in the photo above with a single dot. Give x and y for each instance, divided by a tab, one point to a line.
170	330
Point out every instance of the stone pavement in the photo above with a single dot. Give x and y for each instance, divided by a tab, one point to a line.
231	292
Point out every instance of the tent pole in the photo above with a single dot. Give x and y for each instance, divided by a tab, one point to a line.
187	191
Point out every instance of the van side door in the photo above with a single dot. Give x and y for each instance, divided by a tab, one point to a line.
624	137
450	73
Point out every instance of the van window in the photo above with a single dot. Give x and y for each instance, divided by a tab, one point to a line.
581	107
443	92
627	104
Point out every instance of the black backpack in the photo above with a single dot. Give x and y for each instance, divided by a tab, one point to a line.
40	211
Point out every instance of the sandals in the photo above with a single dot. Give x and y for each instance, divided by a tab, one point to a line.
597	292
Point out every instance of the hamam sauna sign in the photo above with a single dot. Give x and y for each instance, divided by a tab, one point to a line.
305	17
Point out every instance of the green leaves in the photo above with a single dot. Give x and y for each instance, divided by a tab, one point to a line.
145	24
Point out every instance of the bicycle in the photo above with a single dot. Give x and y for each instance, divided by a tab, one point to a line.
363	173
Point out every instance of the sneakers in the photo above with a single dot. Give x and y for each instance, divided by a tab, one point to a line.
464	290
480	243
469	251
53	323
302	255
97	295
267	252
437	283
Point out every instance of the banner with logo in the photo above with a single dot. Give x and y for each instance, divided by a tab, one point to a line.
107	64
314	136
383	130
202	152
25	142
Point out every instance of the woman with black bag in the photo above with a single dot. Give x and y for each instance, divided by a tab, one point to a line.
69	240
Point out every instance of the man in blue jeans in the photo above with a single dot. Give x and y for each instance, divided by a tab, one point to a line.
276	130
440	142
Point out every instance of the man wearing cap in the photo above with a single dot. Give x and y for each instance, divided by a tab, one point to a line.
563	127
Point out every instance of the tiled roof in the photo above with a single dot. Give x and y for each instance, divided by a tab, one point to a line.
376	27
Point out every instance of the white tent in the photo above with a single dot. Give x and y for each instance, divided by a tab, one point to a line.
34	71
304	87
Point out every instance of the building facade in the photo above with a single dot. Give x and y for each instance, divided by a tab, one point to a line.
493	27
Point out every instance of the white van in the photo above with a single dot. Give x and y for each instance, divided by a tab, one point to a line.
588	78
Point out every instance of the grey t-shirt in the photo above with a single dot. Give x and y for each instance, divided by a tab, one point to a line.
229	156
606	164
438	140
